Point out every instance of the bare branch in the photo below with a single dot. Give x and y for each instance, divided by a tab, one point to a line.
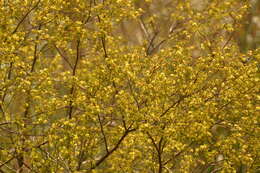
151	46
144	28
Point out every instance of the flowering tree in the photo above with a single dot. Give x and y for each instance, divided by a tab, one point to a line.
127	86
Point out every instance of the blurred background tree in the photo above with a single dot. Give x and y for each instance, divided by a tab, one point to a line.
249	34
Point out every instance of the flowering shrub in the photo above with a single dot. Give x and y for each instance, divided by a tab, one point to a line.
127	86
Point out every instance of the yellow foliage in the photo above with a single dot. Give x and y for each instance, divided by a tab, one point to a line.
120	86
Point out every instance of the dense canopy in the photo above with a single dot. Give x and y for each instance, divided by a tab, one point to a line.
121	86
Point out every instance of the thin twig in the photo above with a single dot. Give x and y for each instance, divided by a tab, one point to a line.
171	106
9	160
103	133
63	56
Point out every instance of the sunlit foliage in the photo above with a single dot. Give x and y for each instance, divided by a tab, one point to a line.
118	86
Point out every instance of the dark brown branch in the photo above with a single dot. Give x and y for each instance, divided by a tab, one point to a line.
103	40
73	74
38	146
24	17
9	160
229	39
160	169
103	133
182	97
172	106
77	58
10	71
159	149
178	153
27	166
89	12
153	141
150	47
102	159
157	47
35	56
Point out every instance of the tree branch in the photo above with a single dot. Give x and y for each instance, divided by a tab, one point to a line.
159	149
9	160
102	159
171	106
63	56
103	133
24	17
73	74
